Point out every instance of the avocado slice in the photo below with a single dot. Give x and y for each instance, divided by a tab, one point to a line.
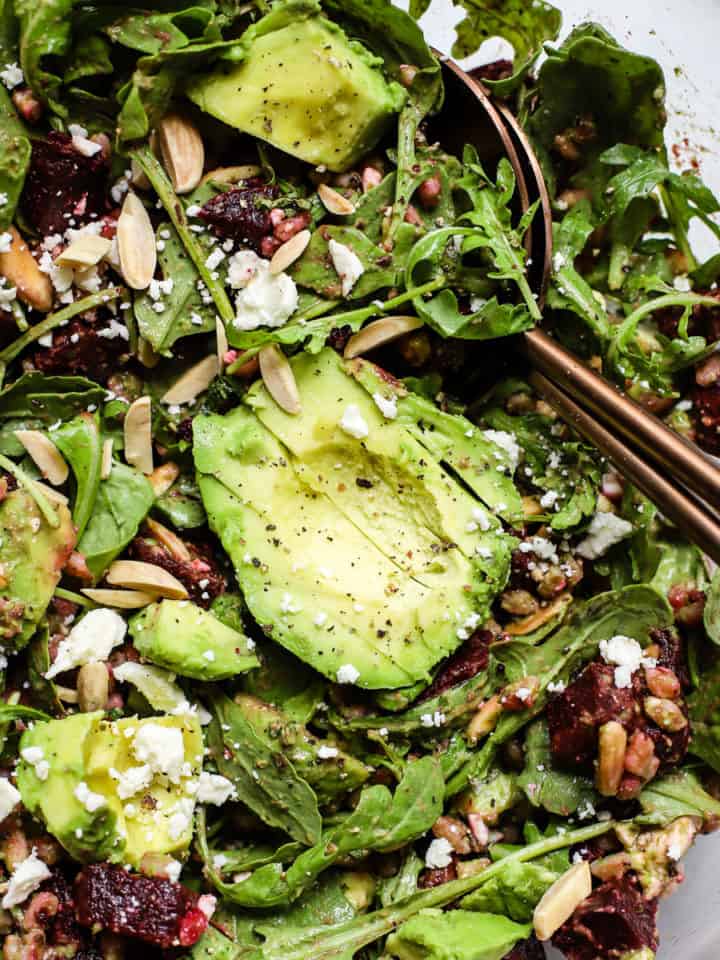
33	555
354	554
79	797
190	641
304	87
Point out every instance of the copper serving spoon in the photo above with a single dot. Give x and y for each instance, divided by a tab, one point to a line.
673	472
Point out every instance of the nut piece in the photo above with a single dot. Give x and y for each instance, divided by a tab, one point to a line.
146	355
45	455
640	758
541	616
138	435
86	251
93	687
168	539
232	174
193	382
163	477
20	269
484	720
335	202
379	332
222	345
279	379
107	456
612	744
136	244
146	577
182	151
290	251
666	714
662	682
559	902
518	603
121	599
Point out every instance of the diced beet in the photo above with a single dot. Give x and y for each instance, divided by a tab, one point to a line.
469	660
63	185
615	919
150	909
438	875
530	949
79	350
575	716
201	576
242	213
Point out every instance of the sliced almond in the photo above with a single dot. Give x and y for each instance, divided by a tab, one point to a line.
560	900
121	599
146	577
232	174
136	243
107	456
193	382
21	270
146	355
335	202
138	177
66	694
45	455
168	539
182	151
222	344
138	435
93	686
86	251
163	477
541	616
279	379
379	332
290	251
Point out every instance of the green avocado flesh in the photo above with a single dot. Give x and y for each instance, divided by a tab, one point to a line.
350	553
306	89
85	749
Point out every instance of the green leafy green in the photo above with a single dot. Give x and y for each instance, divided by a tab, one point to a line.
711	615
555	790
14	155
435	935
678	794
514	892
80	442
48	399
704	705
45	30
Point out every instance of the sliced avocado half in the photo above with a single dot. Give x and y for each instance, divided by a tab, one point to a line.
366	553
304	87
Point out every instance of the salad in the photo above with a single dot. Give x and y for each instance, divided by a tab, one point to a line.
322	636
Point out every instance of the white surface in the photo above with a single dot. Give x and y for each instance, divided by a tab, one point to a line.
683	36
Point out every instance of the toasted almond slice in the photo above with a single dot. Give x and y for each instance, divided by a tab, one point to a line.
290	251
193	382
279	379
146	355
66	694
54	496
146	577
45	455
168	539
379	332
138	435
136	243
122	599
86	251
232	174
182	151
335	202
222	343
107	455
138	177
561	899
21	270
541	616
163	477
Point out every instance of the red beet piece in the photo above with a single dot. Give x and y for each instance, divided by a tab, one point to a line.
469	660
200	575
243	213
530	949
78	349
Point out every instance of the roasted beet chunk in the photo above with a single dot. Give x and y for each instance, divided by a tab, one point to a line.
151	909
79	348
243	213
63	185
530	949
613	920
469	660
575	716
706	413
194	568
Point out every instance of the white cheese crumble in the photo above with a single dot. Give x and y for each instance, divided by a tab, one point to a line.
12	75
674	851
347	673
9	798
162	748
132	780
549	499
320	618
471	623
542	548
90	640
480	521
386	406
212	788
5	241
265	299
627	655
180	819
605	530
556	687
439	854
436	719
507	442
327	753
90	800
352	422
26	878
348	265
35	756
173	869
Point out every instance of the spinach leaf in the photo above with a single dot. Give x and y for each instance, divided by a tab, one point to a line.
122	503
184	313
678	794
48	399
556	791
80	442
182	505
711	616
45	31
14	157
265	780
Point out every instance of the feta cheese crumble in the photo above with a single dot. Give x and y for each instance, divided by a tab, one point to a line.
90	800
12	75
353	424
386	406
161	748
439	854
5	241
507	442
132	780
90	640
265	299
212	788
605	530
436	719
35	757
9	798
348	265
26	878
627	655
327	753
347	673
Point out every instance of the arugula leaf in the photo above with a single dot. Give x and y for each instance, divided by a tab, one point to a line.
404	883
45	30
47	399
265	780
555	790
678	794
314	269
435	933
711	616
14	157
704	706
80	443
121	504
